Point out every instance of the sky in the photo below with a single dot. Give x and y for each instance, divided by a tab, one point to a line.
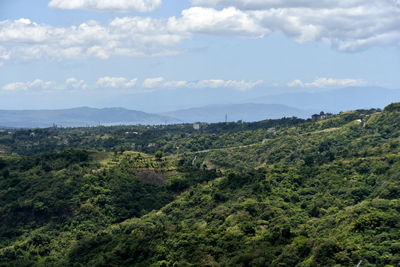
159	55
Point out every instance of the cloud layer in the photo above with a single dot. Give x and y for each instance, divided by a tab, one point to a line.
134	85
241	85
33	85
26	40
114	83
107	5
349	26
127	36
267	4
327	83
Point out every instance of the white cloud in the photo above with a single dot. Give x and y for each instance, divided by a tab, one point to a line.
116	82
39	85
328	83
153	83
107	82
228	21
347	25
71	84
241	85
265	4
107	5
25	86
75	84
176	84
24	39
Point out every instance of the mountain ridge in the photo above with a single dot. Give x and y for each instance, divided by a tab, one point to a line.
87	116
348	98
79	116
241	111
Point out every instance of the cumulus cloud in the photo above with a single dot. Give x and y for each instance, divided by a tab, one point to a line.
159	83
39	85
116	82
265	4
241	85
24	39
153	82
327	83
228	21
346	25
107	5
349	26
108	82
25	86
74	83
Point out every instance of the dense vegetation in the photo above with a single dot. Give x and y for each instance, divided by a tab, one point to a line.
275	193
148	139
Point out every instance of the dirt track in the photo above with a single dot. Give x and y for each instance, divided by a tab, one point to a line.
3	151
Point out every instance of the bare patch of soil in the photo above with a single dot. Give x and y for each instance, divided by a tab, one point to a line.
151	177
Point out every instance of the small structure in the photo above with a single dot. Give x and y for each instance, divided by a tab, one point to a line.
131	133
321	116
196	126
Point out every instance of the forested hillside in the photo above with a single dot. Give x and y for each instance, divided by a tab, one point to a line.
169	139
287	192
50	201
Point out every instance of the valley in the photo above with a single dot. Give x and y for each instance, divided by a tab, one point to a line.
285	192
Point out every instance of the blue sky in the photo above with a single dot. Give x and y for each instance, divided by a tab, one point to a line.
66	53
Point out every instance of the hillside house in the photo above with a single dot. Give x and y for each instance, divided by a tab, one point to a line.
321	116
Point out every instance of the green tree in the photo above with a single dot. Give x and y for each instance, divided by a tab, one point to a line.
158	155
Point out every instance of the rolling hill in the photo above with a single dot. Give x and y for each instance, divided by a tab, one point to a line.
300	193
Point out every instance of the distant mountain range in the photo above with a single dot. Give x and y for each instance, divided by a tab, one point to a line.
336	100
300	104
235	112
83	116
333	100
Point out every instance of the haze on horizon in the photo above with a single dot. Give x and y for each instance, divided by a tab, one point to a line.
158	56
